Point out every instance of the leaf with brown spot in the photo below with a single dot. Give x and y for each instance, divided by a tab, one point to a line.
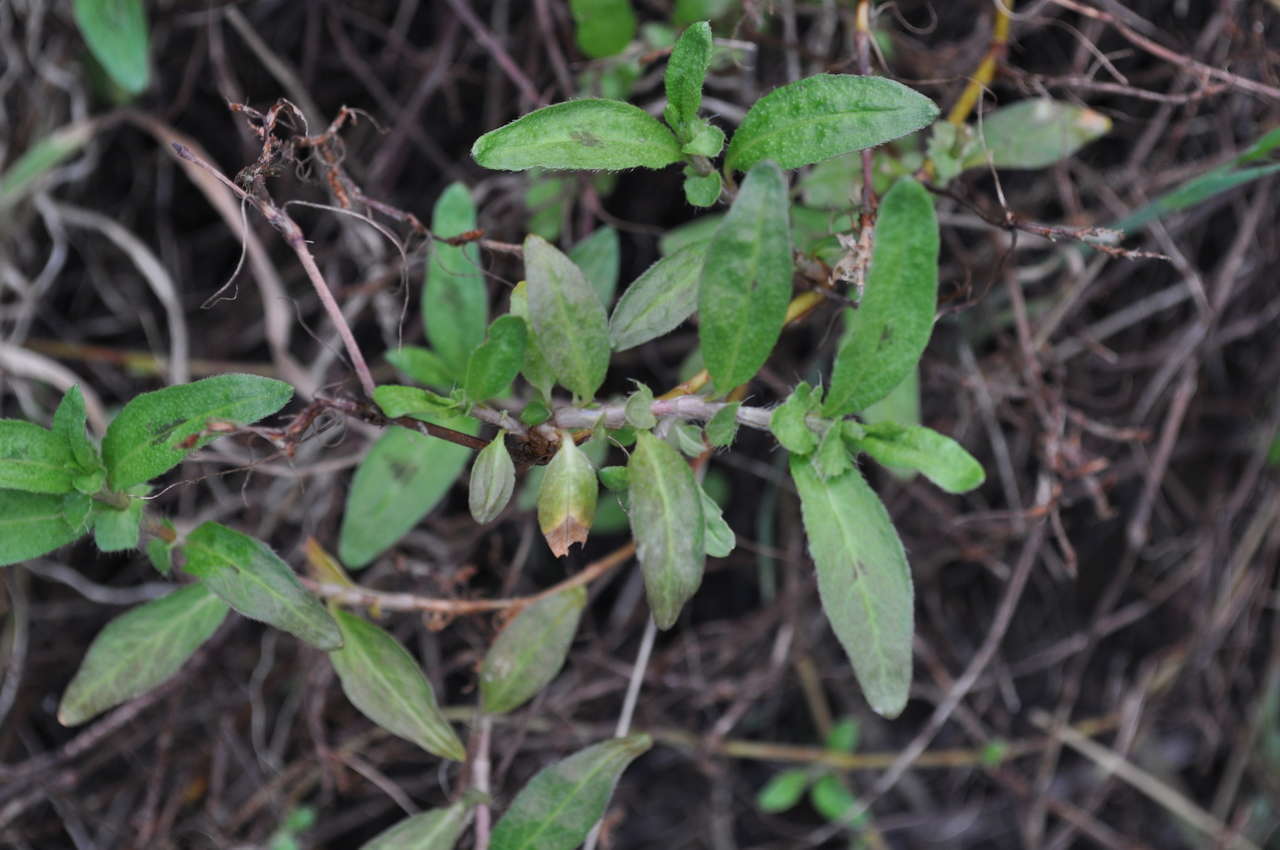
567	498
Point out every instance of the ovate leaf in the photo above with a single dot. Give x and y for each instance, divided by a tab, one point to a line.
495	364
893	322
789	421
253	580
435	829
722	427
455	301
583	135
702	190
1035	133
567	498
659	300
667	521
746	280
599	258
424	366
493	478
530	650
404	475
139	650
156	430
604	27
35	459
32	524
116	32
942	460
558	807
685	72
382	679
863	580
638	409
569	322
824	116
115	530
395	401
783	791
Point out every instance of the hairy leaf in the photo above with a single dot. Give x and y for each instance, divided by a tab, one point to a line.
115	530
455	301
702	190
395	401
139	650
434	829
659	300
156	430
863	580
686	69
638	409
942	460
894	320
116	32
722	427
567	498
788	422
493	479
746	280
530	650
558	807
824	116
1035	133
599	258
569	322
424	366
668	524
69	424
383	680
32	524
253	580
35	459
495	364
583	135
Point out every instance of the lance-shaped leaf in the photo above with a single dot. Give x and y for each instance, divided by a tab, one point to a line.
69	424
718	537
402	478
686	70
567	498
599	257
32	524
893	322
536	369
659	300
824	116
863	580
35	459
569	322
382	679
1035	133
424	366
253	580
495	364
455	301
603	27
493	478
583	135
139	650
942	460
396	401
746	280
156	430
25	172
558	807
667	521
435	829
530	650
116	32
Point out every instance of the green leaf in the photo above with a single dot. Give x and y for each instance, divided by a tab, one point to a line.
863	580
686	70
156	430
615	478
383	680
253	580
43	157
160	554
942	460
558	807
395	401
832	798
116	32
404	475
688	11
717	535
1035	133
115	530
638	410
493	479
783	791
69	424
139	650
599	258
687	437
824	116
455	301
701	190
434	829
77	509
568	319
567	498
843	736
32	524
423	365
35	459
746	280
701	229
831	457
707	140
495	364
895	316
667	521
536	370
603	27
722	427
659	300
529	652
580	135
788	421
